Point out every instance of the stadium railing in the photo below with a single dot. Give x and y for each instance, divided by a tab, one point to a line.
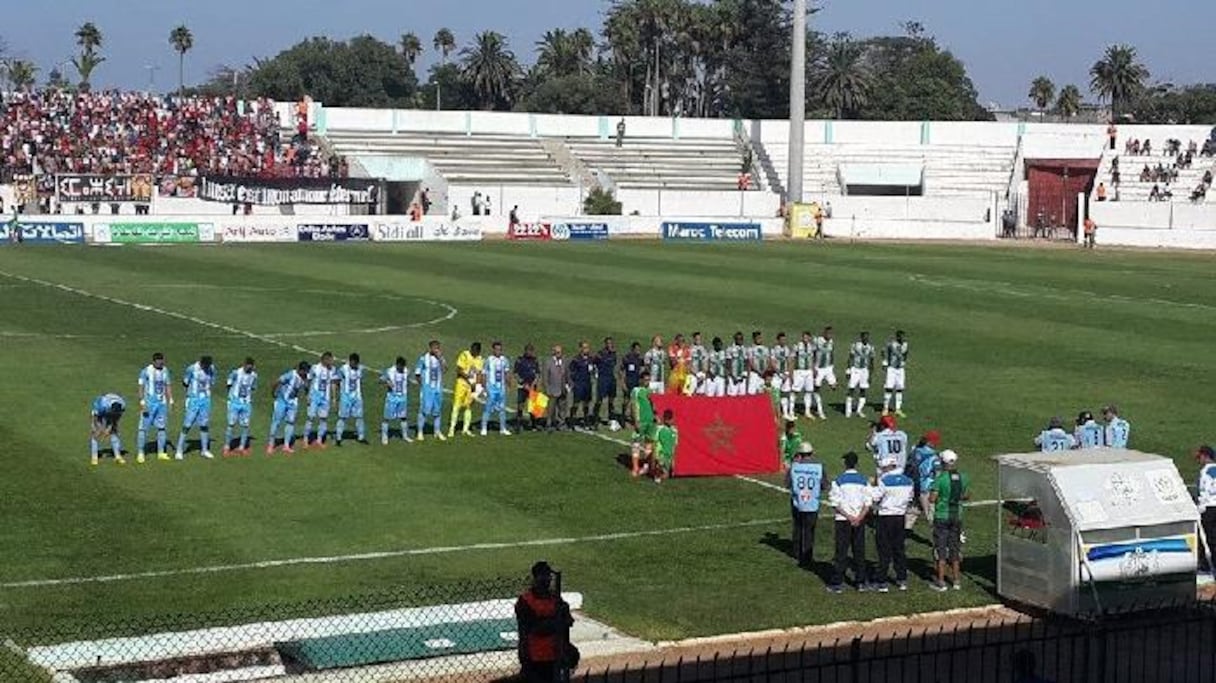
1164	644
452	632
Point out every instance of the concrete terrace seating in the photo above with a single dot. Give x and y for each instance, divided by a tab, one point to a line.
461	159
949	170
666	163
1132	190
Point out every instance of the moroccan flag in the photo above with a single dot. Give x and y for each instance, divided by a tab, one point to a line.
722	436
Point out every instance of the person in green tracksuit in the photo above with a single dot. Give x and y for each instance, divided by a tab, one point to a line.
665	440
791	441
642	412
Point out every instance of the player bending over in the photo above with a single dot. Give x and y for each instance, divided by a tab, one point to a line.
320	387
468	382
197	379
155	398
861	364
106	411
498	376
350	399
287	392
396	380
241	383
429	373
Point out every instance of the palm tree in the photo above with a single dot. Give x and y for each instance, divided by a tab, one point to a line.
445	44
1118	77
490	68
182	41
843	79
1069	103
89	38
411	47
85	64
565	54
624	42
22	73
1042	91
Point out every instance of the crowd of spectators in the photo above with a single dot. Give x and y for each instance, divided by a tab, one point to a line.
119	133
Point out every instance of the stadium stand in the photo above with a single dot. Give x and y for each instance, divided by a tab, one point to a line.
1174	182
482	159
663	163
123	133
955	170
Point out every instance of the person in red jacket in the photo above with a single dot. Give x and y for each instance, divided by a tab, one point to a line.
543	622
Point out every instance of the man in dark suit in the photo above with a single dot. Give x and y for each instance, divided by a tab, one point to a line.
555	376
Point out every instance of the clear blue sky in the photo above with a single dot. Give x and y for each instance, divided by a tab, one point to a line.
1004	44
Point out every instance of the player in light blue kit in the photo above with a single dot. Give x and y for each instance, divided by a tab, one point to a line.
320	389
497	372
1089	433
429	373
155	398
286	402
1118	430
397	381
241	384
350	399
106	411
1054	438
197	379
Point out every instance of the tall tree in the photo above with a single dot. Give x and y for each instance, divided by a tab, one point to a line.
916	80
22	73
1068	104
1118	77
444	43
564	54
843	79
361	72
90	40
411	47
1042	92
491	69
182	41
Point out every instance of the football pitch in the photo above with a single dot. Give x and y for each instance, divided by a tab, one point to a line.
1001	339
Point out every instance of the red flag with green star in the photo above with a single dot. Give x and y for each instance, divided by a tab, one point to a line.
722	436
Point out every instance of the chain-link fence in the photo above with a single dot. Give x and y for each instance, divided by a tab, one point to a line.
453	632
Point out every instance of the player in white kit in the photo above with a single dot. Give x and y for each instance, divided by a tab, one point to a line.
895	360
861	364
825	367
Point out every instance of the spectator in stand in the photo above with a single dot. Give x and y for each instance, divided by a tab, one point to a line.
514	218
1101	192
1200	193
1112	132
1154	195
425	200
1207	177
475	202
1114	176
1147	148
1146	174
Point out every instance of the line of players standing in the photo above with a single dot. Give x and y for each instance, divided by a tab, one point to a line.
321	382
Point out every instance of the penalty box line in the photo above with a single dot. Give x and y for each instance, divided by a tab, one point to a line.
390	554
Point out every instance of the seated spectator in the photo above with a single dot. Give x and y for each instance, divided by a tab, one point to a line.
1146	174
1159	174
1101	192
1114	176
1130	146
1173	146
1135	147
1154	195
1173	173
1192	148
1147	148
1200	193
1167	194
1209	148
1207	177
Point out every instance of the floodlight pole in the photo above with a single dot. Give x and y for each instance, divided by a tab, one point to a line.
797	149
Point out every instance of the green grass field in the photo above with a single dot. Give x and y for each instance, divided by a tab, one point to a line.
1002	338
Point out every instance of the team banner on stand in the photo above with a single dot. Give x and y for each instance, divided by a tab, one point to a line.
425	231
712	232
530	231
333	232
286	191
722	436
255	232
579	231
153	233
43	232
104	188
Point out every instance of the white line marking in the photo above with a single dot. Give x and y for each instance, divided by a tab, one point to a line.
765	484
389	554
153	309
1026	292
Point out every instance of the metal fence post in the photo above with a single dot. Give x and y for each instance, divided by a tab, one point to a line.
855	660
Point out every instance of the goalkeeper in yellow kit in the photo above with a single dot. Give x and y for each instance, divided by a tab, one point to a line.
468	385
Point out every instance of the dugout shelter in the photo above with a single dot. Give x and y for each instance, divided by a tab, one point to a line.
1095	531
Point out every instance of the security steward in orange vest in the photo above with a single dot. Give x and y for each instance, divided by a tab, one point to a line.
543	621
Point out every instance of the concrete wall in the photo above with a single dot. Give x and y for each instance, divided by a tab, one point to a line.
912	218
1176	215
